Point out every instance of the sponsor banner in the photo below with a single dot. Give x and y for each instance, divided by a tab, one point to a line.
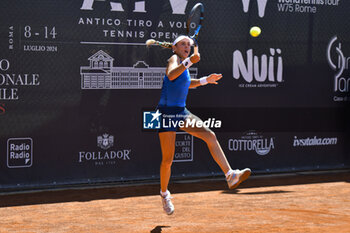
75	75
284	151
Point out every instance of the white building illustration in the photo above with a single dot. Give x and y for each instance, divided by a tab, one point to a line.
101	74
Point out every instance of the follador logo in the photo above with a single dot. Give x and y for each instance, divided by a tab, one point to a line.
105	141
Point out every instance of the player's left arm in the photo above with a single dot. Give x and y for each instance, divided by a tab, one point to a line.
211	79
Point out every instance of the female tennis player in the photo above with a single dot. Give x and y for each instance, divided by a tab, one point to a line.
172	105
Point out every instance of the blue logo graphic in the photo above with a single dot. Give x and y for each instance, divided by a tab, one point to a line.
151	120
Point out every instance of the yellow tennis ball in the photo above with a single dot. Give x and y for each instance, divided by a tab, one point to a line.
255	31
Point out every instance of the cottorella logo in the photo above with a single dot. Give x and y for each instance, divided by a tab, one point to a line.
261	6
314	141
341	81
105	157
252	141
257	73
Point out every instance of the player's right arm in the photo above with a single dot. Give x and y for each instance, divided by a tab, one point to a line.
175	68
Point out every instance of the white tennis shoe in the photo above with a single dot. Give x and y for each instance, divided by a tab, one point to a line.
167	204
237	177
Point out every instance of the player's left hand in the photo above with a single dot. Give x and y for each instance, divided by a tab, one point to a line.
213	78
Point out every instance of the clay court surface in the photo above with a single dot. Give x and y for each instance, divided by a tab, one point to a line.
289	203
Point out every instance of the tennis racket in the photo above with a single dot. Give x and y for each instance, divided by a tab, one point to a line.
194	24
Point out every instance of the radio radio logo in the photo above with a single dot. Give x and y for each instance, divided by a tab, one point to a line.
19	152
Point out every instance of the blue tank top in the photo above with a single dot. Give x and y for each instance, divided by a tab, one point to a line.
174	93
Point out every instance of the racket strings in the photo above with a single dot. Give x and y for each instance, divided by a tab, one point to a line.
194	23
195	19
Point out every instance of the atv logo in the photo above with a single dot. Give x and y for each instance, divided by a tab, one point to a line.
178	6
261	6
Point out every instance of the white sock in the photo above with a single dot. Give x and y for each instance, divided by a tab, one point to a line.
229	173
164	194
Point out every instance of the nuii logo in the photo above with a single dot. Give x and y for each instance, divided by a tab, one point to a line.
177	6
105	157
341	83
257	69
261	6
19	152
151	120
252	141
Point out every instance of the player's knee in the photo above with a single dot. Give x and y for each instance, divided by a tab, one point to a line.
167	162
210	137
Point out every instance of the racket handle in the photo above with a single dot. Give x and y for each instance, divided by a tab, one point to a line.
195	49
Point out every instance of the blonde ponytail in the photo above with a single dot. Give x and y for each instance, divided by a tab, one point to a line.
164	44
